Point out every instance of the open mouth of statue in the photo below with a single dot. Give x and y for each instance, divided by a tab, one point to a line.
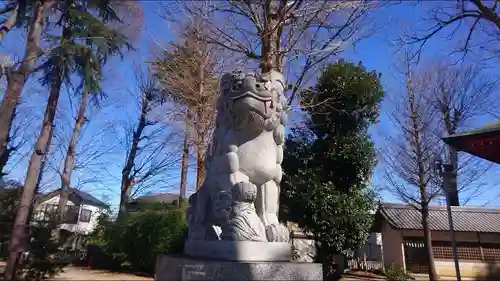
264	100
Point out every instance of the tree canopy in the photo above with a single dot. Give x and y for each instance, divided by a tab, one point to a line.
84	45
328	163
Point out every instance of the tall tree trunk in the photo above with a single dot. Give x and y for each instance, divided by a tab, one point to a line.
44	162
201	125
17	78
269	37
126	190
69	161
185	160
4	157
418	146
9	22
21	222
37	187
428	243
200	160
127	174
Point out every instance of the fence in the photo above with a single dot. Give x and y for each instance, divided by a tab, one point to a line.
73	255
364	265
416	255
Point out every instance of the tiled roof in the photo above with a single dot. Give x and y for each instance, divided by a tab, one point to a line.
159	197
488	128
87	198
77	196
465	219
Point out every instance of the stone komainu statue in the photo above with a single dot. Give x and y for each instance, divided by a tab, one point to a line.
243	166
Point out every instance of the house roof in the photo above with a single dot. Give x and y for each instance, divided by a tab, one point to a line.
77	196
465	219
492	127
157	198
482	142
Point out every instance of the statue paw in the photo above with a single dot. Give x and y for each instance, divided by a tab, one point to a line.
277	233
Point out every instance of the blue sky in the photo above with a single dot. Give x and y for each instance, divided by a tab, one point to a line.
377	52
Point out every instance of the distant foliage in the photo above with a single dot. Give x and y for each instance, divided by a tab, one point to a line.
134	243
158	206
43	261
9	199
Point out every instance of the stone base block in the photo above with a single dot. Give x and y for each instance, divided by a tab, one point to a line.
181	268
238	250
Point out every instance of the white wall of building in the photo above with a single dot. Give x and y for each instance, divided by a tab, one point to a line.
87	227
80	227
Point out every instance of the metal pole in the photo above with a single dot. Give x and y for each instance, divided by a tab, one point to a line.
446	182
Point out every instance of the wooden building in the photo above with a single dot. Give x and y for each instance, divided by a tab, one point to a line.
477	232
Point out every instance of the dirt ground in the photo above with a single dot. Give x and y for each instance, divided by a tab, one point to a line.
78	273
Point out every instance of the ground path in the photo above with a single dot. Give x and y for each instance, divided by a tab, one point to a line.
78	273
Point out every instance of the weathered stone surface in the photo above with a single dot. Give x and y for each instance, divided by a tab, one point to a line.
239	250
175	268
243	165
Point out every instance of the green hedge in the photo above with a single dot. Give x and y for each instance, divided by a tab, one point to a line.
397	273
42	262
8	207
134	243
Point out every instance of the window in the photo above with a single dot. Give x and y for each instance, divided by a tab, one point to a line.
71	214
85	215
45	212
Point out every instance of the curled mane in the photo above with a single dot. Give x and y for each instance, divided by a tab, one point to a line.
225	120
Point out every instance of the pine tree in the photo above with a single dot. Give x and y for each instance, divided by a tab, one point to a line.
82	47
32	15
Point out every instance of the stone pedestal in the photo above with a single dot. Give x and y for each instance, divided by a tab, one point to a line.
238	250
182	268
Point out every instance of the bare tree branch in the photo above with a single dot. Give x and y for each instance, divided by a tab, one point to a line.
460	95
294	37
151	154
188	72
475	24
410	153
